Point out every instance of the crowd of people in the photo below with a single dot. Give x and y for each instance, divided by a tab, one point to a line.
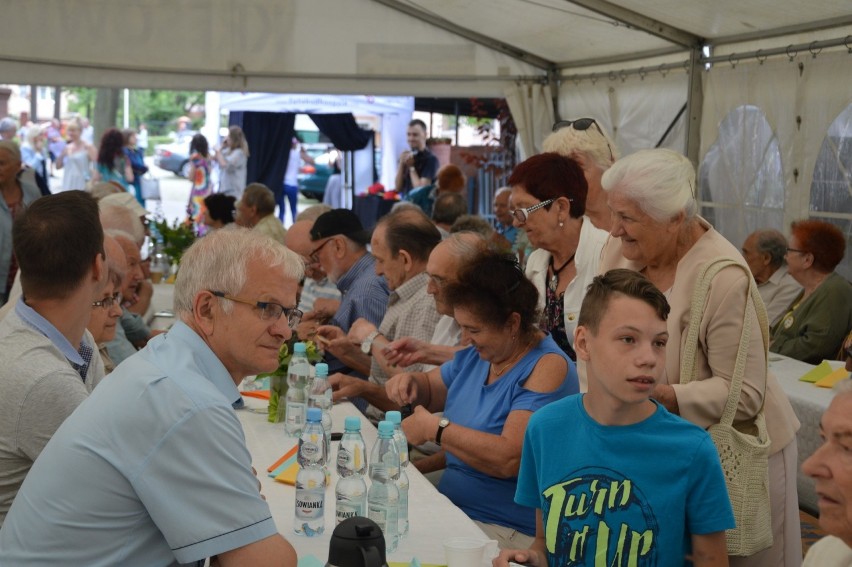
540	358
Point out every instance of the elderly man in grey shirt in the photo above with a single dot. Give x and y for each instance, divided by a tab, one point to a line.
764	252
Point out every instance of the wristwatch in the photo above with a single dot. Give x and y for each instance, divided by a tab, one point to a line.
441	426
367	343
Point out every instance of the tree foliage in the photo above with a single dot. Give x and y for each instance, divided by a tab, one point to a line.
158	109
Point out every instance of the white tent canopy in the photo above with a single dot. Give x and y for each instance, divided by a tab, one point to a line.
395	113
775	101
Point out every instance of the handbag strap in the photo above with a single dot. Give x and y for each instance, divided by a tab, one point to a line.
688	362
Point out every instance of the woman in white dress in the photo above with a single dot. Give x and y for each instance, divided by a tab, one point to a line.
76	159
233	160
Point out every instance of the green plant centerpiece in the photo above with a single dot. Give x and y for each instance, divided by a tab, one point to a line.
278	377
176	238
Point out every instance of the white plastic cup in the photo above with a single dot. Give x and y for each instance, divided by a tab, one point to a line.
468	551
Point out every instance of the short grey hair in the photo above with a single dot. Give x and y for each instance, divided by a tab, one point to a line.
313	212
465	246
8	124
591	142
660	181
772	242
220	261
121	218
260	197
472	223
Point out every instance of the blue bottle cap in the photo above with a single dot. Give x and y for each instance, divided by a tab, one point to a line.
385	429
321	370
300	348
314	414
394	417
352	423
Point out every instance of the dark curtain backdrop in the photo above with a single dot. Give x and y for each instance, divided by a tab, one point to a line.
343	131
268	135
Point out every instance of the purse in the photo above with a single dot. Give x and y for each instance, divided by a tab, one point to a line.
743	447
150	186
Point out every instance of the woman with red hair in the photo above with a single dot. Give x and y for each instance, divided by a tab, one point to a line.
817	321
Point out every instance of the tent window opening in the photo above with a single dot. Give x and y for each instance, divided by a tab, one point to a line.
741	182
831	189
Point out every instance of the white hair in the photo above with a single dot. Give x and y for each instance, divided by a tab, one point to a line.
122	218
219	261
660	181
595	143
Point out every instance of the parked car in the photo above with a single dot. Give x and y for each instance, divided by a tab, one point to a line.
313	178
174	156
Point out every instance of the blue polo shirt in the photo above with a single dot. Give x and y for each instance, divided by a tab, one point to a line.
363	294
152	469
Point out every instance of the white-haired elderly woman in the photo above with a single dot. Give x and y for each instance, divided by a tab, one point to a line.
587	143
656	230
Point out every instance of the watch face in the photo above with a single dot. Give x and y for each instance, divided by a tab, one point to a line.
444	422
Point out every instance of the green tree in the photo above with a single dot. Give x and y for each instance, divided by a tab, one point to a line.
158	109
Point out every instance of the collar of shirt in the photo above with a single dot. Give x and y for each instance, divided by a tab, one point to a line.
43	326
207	361
407	290
365	262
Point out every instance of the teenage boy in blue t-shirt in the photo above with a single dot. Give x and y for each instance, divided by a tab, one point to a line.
615	478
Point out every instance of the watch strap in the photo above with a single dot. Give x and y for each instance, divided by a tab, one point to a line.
367	345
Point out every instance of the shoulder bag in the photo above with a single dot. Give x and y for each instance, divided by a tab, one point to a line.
743	447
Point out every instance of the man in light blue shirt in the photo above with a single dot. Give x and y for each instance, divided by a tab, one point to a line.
154	466
48	360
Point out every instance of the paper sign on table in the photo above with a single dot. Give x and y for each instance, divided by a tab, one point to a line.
262	394
817	373
288	474
833	378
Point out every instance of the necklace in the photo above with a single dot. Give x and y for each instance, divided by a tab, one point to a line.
498	372
554	277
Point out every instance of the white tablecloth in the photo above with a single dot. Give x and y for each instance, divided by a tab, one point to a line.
809	402
432	517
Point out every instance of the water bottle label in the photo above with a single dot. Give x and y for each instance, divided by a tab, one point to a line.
309	450
380	516
295	414
309	505
344	458
346	510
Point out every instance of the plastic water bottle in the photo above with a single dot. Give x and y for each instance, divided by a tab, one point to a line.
351	490
310	480
402	446
383	496
299	372
320	396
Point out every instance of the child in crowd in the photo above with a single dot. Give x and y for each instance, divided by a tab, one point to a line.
615	478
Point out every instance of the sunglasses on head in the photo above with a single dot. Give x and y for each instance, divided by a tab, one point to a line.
581	125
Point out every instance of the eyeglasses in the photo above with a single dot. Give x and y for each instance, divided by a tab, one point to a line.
522	214
108	302
582	124
314	257
796	250
268	310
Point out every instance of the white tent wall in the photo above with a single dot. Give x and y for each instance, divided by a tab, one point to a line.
800	99
636	110
531	106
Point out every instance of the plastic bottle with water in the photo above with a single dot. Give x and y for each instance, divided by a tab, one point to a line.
351	490
402	446
310	480
320	396
383	495
298	375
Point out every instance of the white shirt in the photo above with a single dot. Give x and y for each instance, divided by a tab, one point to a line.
778	292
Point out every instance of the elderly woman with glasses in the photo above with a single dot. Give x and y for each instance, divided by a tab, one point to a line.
657	231
814	325
584	141
105	314
549	200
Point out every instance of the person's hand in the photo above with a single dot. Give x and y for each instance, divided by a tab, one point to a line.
344	386
360	329
501	241
406	159
420	426
325	308
405	352
335	341
402	389
525	556
306	330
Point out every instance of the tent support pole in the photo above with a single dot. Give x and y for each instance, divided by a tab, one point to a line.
553	79
694	104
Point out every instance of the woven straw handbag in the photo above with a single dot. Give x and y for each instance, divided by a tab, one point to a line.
743	447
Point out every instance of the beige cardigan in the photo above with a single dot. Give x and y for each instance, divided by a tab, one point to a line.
703	400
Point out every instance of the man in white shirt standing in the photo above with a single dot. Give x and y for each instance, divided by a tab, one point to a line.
764	252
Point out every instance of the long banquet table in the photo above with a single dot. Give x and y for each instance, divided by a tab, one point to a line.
432	517
809	402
